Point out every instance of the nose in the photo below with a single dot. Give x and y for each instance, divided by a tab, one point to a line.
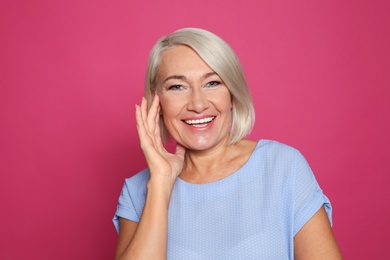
198	101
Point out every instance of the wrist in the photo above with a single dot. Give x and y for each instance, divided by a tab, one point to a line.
160	186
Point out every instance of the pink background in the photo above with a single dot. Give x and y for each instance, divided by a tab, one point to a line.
71	72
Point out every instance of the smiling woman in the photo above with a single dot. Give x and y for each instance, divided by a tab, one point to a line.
195	103
219	196
221	60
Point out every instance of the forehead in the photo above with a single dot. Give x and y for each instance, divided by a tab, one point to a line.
181	60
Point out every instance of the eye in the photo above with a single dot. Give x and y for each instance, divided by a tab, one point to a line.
213	83
175	87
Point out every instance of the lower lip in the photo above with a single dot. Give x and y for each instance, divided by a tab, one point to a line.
200	126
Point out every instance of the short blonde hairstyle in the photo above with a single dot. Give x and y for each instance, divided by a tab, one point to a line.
220	57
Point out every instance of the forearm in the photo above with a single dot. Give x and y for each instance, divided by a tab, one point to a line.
150	238
147	239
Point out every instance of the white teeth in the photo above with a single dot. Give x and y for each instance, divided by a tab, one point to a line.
200	121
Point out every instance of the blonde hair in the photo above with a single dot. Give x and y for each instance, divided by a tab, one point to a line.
217	54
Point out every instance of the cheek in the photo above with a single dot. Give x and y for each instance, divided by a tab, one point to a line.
168	109
173	104
225	103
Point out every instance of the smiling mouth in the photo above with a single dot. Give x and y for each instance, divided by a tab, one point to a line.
199	121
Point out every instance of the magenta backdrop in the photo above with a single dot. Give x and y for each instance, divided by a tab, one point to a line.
71	72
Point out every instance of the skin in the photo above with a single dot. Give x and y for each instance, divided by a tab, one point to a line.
188	89
191	90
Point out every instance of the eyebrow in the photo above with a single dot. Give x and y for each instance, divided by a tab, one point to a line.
182	77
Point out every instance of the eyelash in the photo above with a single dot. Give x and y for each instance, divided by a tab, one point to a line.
175	87
213	83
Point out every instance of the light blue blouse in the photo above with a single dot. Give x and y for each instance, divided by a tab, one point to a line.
251	214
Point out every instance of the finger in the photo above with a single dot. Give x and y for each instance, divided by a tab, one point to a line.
153	112
157	120
147	142
141	114
156	125
180	150
140	122
148	129
144	113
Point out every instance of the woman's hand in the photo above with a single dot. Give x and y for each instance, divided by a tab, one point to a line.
161	163
147	239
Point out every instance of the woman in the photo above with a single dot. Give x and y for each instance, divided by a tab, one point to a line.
219	196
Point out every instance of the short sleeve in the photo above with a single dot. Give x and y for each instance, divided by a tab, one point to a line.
308	196
132	198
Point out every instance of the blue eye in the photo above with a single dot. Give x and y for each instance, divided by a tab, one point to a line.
213	83
175	87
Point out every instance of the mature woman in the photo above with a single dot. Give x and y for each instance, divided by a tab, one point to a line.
219	196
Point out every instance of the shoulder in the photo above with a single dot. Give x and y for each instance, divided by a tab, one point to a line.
276	150
272	144
137	183
278	160
140	177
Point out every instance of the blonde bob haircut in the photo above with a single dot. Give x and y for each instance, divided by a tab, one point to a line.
220	57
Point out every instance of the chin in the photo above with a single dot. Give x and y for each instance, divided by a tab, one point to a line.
200	144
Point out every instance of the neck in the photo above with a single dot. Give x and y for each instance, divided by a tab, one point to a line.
212	165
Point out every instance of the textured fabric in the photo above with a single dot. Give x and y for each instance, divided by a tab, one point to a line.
251	214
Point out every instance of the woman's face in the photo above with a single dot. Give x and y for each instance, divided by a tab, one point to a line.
196	104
